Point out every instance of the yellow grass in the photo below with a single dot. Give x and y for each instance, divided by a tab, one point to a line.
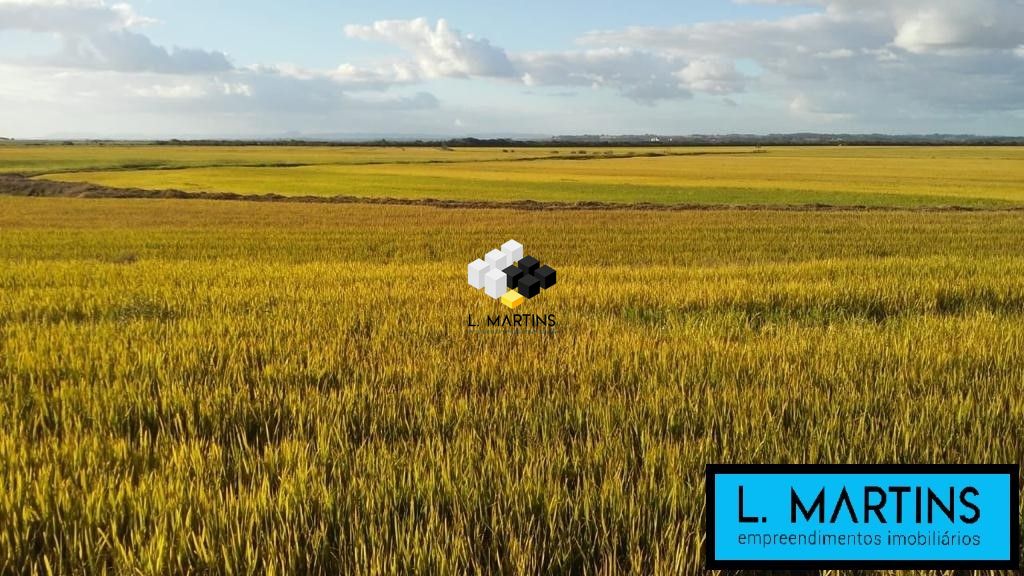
237	387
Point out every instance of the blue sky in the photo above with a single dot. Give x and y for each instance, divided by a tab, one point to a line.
232	68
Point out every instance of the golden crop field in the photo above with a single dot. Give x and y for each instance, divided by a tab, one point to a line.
48	158
847	176
241	387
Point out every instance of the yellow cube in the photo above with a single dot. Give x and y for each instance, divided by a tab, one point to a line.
512	299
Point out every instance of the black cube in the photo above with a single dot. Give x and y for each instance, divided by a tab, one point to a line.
528	264
546	275
512	275
529	286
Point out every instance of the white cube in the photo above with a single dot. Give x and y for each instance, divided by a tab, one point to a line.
477	270
495	284
514	251
498	260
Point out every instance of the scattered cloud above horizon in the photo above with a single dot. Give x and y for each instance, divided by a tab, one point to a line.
864	58
851	65
438	50
95	35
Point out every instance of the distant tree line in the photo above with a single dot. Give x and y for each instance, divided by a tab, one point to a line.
585	141
648	141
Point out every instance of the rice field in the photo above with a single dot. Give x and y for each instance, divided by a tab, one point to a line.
201	386
974	177
191	386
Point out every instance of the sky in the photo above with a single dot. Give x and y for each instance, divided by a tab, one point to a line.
266	68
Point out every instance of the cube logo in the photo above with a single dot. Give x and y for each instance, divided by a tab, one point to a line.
507	275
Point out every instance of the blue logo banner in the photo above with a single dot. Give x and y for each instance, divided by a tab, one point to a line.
863	516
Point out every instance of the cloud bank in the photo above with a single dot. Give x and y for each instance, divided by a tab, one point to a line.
843	64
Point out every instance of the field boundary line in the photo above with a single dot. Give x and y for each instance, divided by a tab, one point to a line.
564	157
22	185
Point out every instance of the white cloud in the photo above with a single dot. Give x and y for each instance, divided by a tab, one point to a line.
836	54
713	75
172	91
236	89
126	51
636	74
105	65
952	26
921	26
67	16
847	63
378	77
865	59
99	36
439	50
802	106
258	101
